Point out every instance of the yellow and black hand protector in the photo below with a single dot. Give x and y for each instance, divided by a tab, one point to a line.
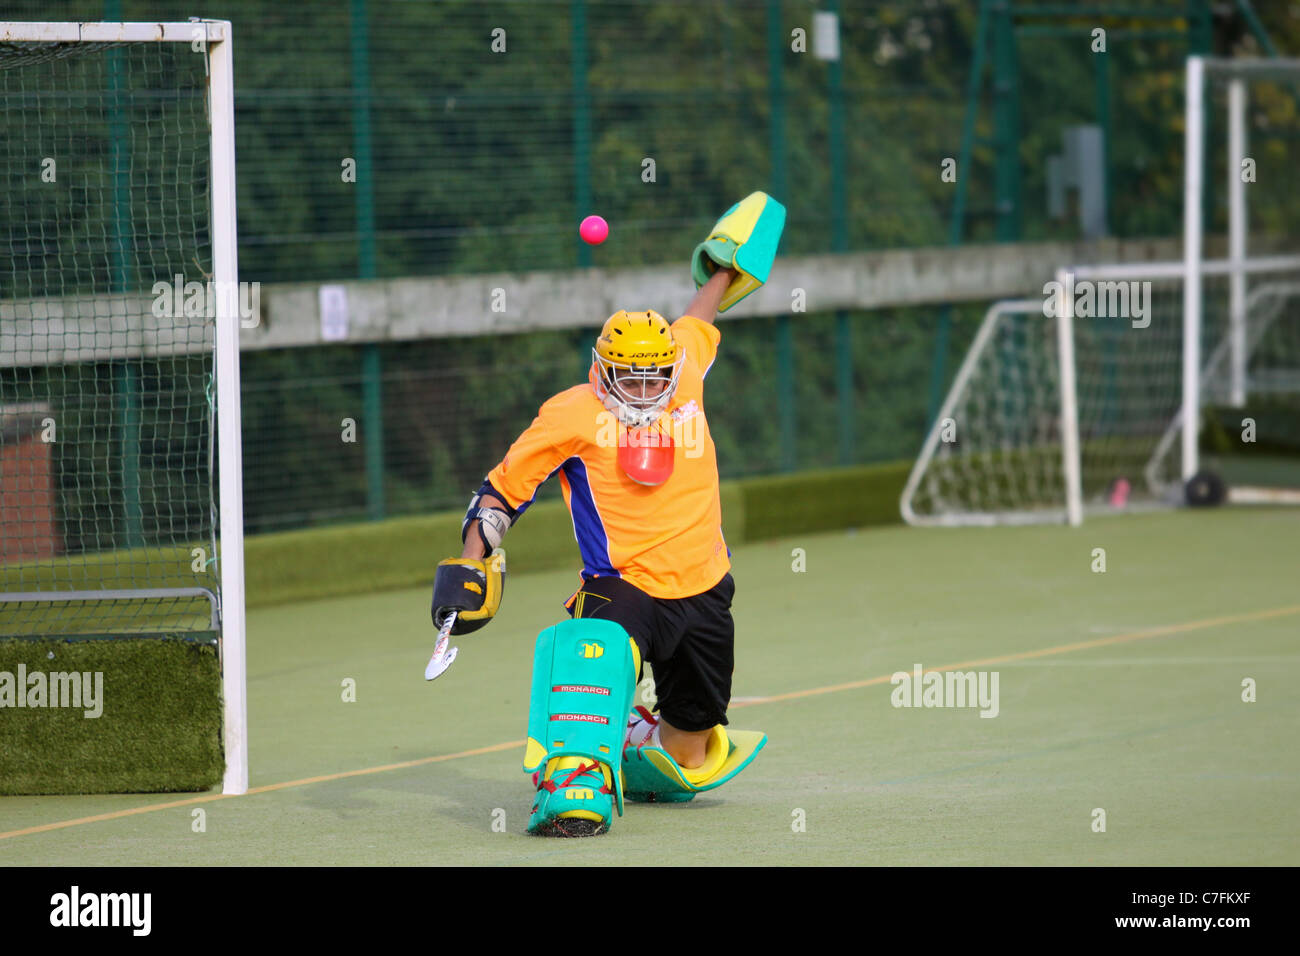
470	587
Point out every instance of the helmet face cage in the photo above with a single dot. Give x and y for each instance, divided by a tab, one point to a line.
622	388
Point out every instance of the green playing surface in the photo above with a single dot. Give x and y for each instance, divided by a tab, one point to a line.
1118	691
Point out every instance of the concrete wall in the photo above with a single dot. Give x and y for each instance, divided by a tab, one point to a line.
415	308
56	331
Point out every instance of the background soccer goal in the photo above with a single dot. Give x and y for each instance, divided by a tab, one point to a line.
120	504
1055	414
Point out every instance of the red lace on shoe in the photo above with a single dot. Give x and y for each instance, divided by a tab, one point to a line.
550	786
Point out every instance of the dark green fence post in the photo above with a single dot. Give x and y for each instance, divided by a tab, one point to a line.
365	181
1006	124
126	383
785	396
1103	121
372	414
581	124
127	401
1200	42
974	82
840	243
372	381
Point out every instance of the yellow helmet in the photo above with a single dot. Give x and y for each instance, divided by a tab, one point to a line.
635	366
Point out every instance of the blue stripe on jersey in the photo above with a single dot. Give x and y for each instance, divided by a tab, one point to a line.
524	507
593	543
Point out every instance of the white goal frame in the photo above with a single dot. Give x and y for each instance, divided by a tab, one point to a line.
217	39
1234	350
1283	282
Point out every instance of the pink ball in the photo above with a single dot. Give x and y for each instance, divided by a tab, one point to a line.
594	230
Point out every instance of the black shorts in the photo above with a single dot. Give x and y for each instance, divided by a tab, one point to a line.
690	643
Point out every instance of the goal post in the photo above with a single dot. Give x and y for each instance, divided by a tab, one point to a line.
230	452
121	506
1253	201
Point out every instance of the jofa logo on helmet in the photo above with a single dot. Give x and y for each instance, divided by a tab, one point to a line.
592	649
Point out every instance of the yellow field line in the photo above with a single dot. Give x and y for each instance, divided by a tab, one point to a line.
1145	634
1142	635
209	797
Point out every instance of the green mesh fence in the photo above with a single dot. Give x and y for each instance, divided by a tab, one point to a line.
451	408
105	423
471	158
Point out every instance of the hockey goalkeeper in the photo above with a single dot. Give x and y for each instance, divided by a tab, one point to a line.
638	471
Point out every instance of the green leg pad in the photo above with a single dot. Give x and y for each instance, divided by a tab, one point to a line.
584	676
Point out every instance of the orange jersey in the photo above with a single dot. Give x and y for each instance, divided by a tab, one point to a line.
667	539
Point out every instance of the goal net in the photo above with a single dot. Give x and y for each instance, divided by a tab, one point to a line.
119	312
1073	403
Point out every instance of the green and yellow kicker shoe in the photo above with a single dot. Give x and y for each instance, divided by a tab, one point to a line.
651	775
575	800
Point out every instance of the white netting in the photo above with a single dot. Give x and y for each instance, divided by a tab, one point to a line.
106	422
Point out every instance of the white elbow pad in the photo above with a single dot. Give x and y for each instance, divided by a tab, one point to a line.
493	523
